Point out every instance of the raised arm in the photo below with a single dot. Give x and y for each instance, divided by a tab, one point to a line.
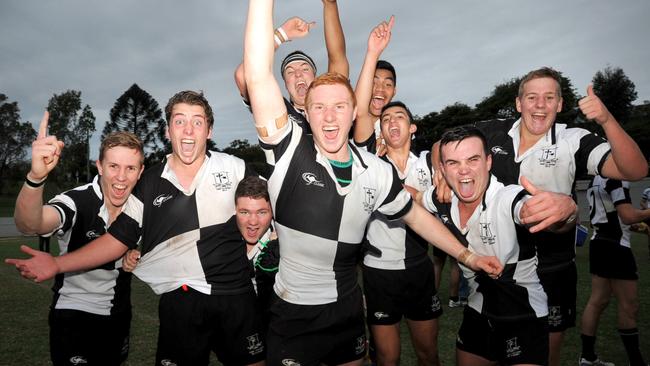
377	42
626	161
335	39
265	96
293	28
30	215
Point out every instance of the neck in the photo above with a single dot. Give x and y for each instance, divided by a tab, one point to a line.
526	140
465	210
185	173
342	155
399	155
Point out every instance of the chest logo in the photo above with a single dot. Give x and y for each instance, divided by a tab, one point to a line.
158	201
369	200
311	180
487	237
548	157
423	178
222	181
92	235
498	150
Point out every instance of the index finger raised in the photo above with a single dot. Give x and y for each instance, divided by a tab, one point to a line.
42	128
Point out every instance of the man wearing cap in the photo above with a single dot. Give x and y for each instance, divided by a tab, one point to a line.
298	69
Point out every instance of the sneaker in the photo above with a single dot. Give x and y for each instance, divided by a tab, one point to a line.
596	362
456	304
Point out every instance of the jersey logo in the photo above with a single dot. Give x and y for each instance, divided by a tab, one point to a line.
498	150
444	218
222	181
435	303
311	180
158	201
486	234
92	235
361	345
290	362
369	199
78	360
167	363
554	315
380	315
423	178
512	348
548	158
254	344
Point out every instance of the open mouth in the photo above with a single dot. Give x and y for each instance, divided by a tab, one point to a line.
187	145
330	132
301	88
119	190
377	101
466	187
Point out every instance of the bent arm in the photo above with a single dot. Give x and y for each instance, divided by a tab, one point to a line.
630	215
626	161
264	92
31	216
335	39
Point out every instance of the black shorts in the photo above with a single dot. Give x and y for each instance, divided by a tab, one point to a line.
391	294
508	342
561	289
308	335
608	259
192	324
77	336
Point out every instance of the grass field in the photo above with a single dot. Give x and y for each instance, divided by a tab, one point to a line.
24	305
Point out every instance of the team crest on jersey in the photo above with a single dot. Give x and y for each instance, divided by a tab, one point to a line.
361	345
222	181
498	150
254	344
166	362
423	178
487	237
512	348
158	201
554	316
548	157
312	180
444	218
369	199
435	303
290	362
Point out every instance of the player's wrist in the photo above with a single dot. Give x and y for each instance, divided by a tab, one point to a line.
280	36
32	182
466	257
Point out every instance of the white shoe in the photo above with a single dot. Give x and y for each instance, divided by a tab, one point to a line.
596	362
456	304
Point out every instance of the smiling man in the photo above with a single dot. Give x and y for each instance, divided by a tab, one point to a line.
182	217
90	314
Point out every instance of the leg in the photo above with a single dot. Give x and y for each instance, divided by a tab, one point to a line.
424	337
469	359
438	265
387	343
626	293
601	291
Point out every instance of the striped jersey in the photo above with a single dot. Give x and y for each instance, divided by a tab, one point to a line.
604	195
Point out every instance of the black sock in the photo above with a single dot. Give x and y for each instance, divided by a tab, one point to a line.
630	338
588	347
453	298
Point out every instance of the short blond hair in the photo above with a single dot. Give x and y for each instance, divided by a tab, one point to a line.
121	138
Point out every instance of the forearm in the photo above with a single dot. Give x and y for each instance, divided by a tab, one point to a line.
433	231
335	40
628	160
28	214
364	124
630	215
102	250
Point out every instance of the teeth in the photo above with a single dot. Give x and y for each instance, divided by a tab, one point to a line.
186	141
119	186
380	97
466	180
330	128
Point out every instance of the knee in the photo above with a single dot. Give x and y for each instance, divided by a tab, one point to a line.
599	303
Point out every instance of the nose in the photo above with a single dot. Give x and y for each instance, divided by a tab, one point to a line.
540	102
188	128
121	174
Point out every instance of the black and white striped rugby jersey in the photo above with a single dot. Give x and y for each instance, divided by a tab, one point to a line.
604	195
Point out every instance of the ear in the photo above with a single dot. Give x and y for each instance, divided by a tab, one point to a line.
412	128
141	170
489	161
210	132
559	105
98	164
518	104
167	133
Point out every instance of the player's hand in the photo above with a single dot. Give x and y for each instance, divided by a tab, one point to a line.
40	267
46	151
488	264
296	27
545	209
380	36
130	260
417	195
443	192
380	147
593	108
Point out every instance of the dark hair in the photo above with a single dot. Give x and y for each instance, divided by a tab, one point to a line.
192	98
460	133
253	187
400	104
385	65
544	72
124	139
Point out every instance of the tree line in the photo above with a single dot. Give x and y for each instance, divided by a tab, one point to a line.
138	112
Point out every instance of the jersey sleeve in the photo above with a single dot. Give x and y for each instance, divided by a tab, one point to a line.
67	210
619	191
127	227
591	154
370	144
287	141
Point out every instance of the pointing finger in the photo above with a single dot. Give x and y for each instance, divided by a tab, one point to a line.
42	128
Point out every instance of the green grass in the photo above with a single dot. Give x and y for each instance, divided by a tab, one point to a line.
24	305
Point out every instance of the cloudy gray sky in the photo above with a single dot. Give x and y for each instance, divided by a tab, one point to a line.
444	52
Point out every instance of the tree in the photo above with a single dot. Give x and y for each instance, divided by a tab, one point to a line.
431	126
15	138
69	123
138	112
616	91
252	154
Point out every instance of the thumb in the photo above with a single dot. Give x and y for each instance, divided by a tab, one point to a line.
590	90
311	25
528	186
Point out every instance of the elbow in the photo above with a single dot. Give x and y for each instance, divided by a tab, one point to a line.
638	172
25	228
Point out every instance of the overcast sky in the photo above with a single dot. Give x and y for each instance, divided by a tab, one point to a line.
444	52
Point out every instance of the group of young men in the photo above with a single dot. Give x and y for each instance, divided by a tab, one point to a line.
199	224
